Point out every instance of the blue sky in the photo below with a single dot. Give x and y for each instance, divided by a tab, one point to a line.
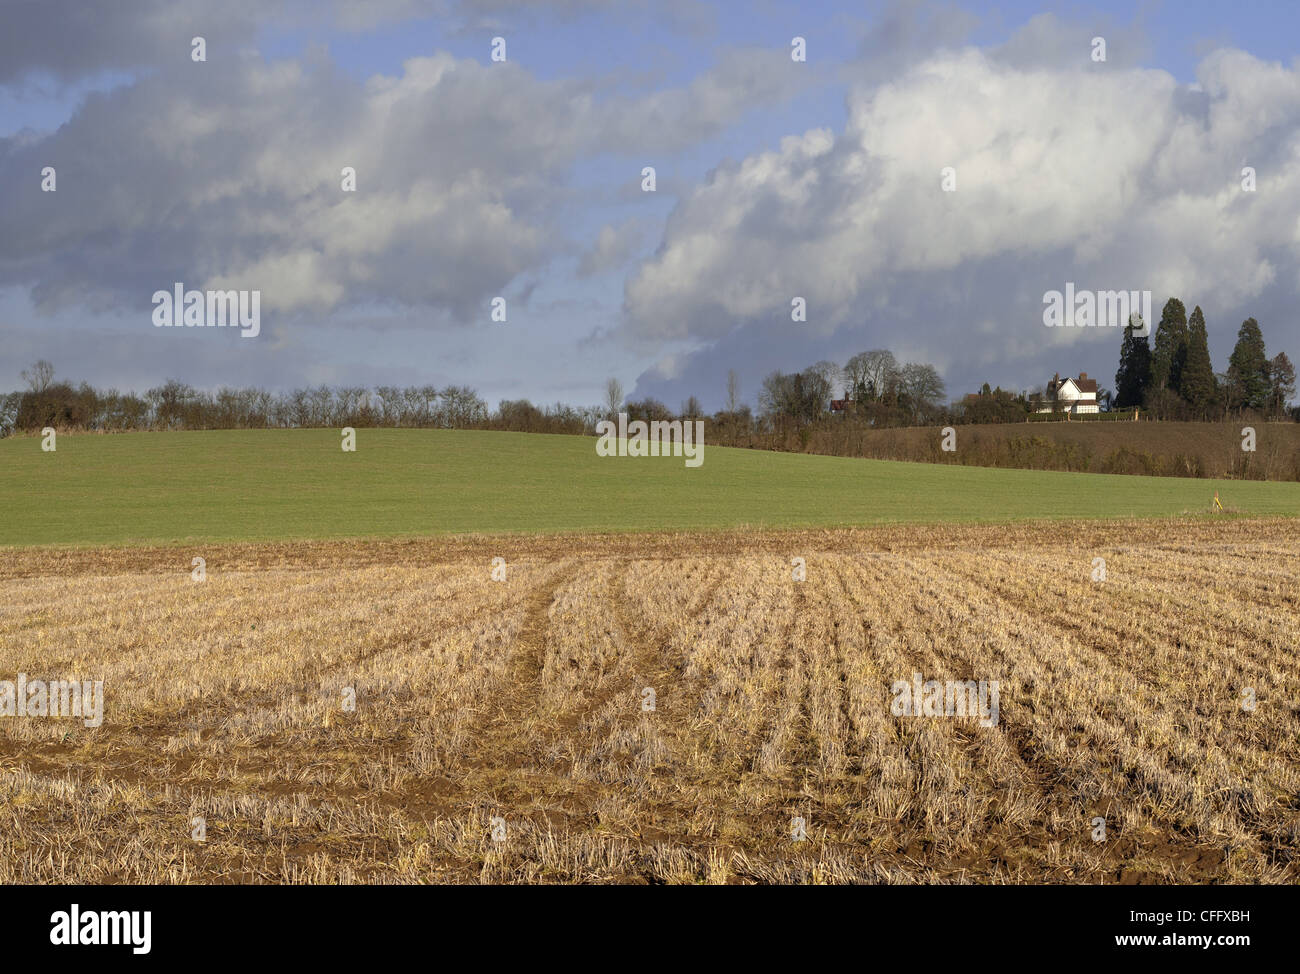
774	179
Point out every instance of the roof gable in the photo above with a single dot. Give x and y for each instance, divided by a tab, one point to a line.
1081	387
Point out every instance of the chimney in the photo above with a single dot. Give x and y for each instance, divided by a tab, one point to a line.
1083	376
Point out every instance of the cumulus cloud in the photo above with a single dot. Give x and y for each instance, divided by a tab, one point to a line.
614	245
473	176
234	175
1067	170
228	174
71	39
673	118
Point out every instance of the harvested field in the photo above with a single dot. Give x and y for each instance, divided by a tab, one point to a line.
522	701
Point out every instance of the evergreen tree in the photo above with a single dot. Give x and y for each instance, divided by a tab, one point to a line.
1281	374
1171	346
1196	381
1248	369
1134	373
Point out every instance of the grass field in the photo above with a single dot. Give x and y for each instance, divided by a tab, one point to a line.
499	732
285	484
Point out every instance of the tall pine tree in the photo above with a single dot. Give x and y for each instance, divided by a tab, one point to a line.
1171	346
1197	384
1134	373
1281	374
1248	381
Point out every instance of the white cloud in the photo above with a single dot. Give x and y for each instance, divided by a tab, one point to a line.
1113	178
231	171
614	245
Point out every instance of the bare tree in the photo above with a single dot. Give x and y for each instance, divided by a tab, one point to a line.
733	391
415	406
870	375
800	396
855	375
462	407
321	401
613	397
390	404
880	372
830	374
921	386
433	412
776	397
39	376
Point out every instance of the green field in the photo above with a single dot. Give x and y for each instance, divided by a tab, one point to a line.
285	484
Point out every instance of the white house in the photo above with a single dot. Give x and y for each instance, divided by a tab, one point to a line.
1071	396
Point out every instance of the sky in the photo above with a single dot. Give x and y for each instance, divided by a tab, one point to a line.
522	179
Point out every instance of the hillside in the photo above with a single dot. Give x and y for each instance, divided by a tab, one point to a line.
1164	449
264	485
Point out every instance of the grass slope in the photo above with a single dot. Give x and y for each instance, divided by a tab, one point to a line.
285	484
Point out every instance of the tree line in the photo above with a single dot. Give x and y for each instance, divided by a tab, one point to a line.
890	394
1174	378
882	392
175	406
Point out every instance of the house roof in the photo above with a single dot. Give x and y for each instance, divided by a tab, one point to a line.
1083	384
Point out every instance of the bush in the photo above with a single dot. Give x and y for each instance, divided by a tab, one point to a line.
57	405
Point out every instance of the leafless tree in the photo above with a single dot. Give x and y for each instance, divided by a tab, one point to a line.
874	373
613	397
922	386
830	374
39	376
462	408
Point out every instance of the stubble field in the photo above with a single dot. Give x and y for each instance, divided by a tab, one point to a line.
499	731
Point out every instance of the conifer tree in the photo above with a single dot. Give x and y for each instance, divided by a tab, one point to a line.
1248	382
1281	374
1170	347
1197	384
1134	373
